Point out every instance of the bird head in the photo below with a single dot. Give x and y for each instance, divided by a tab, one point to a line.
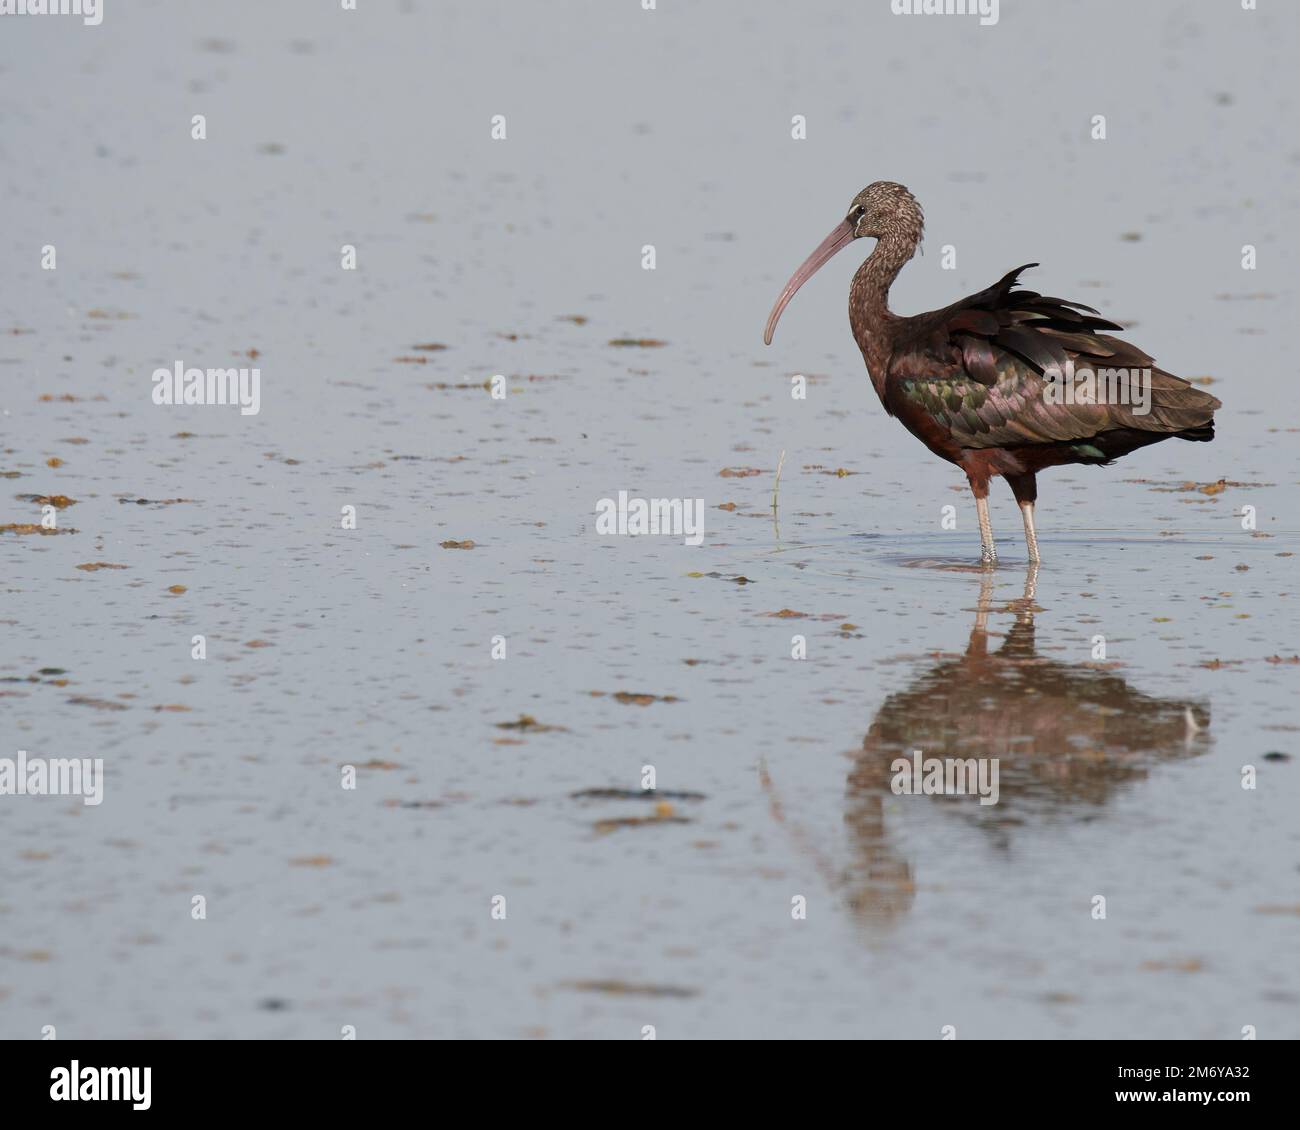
882	210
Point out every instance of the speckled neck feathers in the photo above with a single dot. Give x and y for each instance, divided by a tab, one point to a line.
869	314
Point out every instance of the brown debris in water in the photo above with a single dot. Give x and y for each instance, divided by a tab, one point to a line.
1218	664
739	472
628	989
629	699
1188	486
791	614
663	814
97	703
1174	965
33	528
527	724
457	544
738	579
637	342
96	566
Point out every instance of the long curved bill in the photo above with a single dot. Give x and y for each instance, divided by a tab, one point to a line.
840	238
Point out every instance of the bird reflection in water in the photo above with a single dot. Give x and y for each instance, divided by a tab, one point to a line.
1068	737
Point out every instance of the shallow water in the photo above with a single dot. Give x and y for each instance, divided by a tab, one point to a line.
372	647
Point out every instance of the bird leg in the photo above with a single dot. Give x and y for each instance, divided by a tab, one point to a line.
1025	488
1031	538
988	551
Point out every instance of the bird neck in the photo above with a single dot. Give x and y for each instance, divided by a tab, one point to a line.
869	313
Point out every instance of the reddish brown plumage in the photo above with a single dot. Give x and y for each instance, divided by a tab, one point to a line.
983	382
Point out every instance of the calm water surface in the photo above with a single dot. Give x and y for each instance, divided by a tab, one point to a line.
326	647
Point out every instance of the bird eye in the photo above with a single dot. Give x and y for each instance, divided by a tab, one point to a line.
857	212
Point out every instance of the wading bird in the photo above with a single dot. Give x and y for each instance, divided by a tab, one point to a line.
1006	381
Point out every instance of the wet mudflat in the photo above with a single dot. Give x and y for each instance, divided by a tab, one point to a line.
520	777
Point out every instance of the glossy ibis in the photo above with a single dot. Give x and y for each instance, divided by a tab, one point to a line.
1005	382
